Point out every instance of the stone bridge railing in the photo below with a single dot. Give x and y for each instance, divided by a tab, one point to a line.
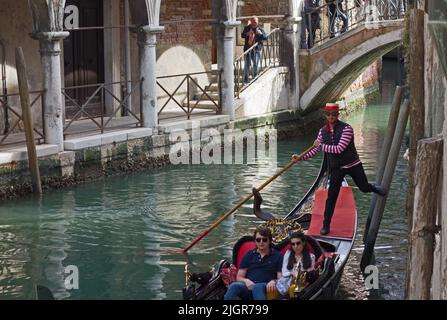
333	18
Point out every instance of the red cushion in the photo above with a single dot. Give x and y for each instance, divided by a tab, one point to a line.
243	249
344	218
286	247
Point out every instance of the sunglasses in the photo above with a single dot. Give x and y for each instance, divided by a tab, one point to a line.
263	239
297	243
334	114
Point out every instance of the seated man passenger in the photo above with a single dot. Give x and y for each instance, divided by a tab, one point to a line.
259	270
298	257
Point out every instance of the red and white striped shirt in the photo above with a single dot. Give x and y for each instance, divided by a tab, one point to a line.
346	137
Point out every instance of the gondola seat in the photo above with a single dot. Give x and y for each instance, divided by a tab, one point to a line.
324	260
247	243
216	287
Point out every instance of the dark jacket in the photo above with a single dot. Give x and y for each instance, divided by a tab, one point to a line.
310	11
258	37
311	5
349	155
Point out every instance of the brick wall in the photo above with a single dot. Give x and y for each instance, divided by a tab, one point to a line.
185	32
368	78
264	7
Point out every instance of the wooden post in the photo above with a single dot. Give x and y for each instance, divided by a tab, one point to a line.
417	99
436	279
28	121
428	165
384	152
386	183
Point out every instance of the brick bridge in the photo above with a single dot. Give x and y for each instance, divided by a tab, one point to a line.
328	70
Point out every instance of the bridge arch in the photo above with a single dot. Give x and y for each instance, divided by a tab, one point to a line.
330	71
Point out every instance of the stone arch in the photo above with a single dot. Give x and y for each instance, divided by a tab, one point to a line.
145	12
337	78
47	15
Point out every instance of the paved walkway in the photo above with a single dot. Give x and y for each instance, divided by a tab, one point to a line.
85	128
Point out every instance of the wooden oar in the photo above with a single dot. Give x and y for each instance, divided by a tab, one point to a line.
242	201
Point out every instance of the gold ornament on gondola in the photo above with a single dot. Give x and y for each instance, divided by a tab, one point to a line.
282	229
298	283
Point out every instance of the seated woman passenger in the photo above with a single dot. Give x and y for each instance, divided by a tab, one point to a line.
258	271
298	256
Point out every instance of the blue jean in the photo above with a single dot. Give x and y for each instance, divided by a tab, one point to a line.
239	290
251	64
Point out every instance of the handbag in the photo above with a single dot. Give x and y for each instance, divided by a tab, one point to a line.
283	284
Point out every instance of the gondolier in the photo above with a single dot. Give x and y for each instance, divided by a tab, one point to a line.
336	139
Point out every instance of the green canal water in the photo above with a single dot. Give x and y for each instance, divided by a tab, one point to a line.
115	230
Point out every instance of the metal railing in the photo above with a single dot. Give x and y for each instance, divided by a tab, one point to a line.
93	106
188	104
10	130
257	59
321	23
383	10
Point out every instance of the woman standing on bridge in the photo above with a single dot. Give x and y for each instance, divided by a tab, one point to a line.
336	139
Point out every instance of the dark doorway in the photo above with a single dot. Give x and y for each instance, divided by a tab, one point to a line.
84	59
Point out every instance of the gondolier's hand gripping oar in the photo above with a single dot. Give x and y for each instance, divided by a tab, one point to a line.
242	201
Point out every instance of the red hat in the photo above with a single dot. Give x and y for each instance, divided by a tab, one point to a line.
332	107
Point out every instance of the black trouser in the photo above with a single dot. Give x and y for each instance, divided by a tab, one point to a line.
312	23
336	176
333	14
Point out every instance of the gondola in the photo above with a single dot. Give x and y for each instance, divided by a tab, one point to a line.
332	250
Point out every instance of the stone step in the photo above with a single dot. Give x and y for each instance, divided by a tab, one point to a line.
205	122
213	87
206	104
213	78
201	96
106	138
21	153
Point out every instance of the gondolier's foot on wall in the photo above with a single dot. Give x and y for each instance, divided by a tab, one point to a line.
379	190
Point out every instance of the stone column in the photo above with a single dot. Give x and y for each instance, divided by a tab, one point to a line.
292	37
227	58
147	40
112	55
50	51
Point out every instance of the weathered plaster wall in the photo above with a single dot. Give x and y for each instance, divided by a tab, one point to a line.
15	27
268	94
435	89
444	204
435	124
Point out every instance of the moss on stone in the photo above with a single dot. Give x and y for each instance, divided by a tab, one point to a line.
92	154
